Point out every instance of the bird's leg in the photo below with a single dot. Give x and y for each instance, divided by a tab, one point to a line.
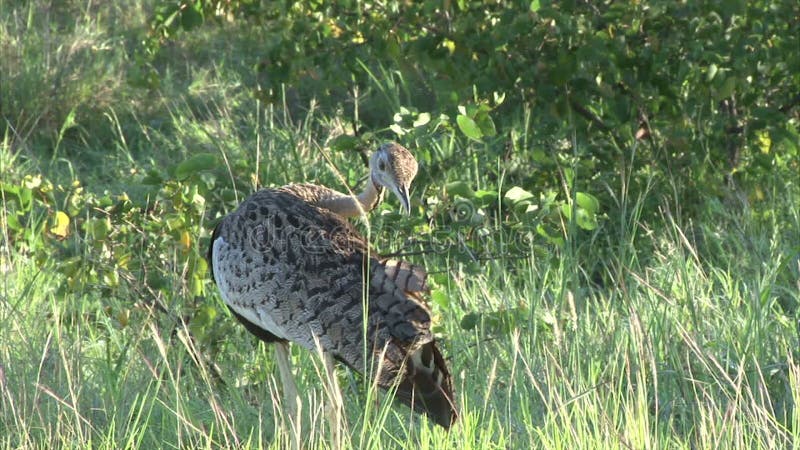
290	396
335	406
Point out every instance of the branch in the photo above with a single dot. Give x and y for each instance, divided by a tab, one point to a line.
588	115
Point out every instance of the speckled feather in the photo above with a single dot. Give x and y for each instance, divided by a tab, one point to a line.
292	271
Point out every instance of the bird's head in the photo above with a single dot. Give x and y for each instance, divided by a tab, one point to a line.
394	167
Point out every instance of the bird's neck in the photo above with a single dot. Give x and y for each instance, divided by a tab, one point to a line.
352	206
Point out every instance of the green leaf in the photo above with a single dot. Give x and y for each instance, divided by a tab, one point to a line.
469	127
191	18
343	143
727	89
564	68
535	5
470	321
422	119
486	124
195	164
440	298
175	222
541	231
459	188
549	198
201	267
587	202
13	222
98	228
196	286
157	281
585	220
566	210
60	224
569	175
204	317
229	195
516	195
398	130
539	156
25	198
712	72
485	197
9	188
153	178
531	209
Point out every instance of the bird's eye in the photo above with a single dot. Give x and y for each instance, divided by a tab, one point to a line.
381	165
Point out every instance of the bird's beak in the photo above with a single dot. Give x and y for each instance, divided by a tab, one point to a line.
405	202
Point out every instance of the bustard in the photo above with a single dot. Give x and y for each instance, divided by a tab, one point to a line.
291	269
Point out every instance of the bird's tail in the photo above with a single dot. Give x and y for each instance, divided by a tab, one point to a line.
427	386
406	276
411	361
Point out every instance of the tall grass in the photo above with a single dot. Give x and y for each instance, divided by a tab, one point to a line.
631	366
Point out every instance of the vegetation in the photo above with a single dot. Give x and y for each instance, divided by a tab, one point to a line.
608	202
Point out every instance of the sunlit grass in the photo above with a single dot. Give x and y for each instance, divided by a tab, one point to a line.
626	367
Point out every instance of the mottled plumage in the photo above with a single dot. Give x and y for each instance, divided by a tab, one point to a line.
292	270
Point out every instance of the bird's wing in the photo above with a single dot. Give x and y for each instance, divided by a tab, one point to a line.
299	268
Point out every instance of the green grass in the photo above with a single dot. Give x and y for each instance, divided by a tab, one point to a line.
653	331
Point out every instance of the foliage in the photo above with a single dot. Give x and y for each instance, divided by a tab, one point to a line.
701	107
114	245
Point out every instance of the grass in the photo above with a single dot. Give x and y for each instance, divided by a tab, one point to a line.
690	340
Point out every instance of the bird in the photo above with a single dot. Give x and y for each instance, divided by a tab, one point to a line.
292	269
